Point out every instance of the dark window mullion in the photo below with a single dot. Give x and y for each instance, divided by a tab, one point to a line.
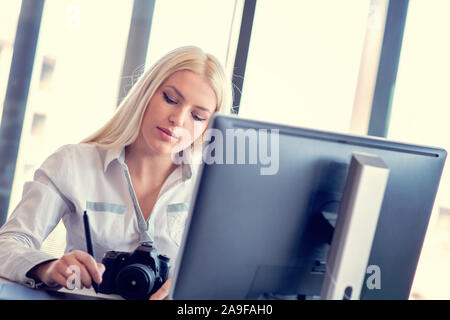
16	97
137	45
240	61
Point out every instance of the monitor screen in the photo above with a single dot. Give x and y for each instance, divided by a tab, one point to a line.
267	197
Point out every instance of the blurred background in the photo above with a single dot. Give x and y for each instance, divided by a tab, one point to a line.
375	67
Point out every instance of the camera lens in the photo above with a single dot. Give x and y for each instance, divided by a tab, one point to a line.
135	281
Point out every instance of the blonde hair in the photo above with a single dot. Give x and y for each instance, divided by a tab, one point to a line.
123	128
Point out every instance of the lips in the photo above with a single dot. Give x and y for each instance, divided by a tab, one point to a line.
168	132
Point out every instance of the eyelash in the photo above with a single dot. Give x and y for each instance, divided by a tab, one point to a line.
197	118
166	97
170	101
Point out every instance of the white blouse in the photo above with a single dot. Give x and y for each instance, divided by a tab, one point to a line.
83	177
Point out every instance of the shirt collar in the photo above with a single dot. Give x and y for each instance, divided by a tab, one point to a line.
119	155
111	155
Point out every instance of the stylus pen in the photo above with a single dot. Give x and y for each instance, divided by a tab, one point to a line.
90	247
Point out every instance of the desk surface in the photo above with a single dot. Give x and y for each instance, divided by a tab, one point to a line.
14	291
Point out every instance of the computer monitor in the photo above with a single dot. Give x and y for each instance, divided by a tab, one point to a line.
262	229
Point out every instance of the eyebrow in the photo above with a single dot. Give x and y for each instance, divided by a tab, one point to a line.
182	97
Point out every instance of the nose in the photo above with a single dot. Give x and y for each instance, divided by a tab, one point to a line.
177	117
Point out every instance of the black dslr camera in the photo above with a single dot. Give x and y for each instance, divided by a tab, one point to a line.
136	275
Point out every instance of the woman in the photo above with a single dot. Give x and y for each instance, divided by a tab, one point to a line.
125	176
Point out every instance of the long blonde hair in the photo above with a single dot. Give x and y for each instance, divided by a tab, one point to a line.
123	128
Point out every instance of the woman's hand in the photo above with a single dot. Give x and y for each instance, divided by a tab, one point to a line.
163	292
62	271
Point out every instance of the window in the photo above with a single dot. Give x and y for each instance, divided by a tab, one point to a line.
420	115
202	23
88	48
303	62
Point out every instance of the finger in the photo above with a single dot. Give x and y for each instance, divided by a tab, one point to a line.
91	265
57	278
72	274
61	267
86	279
101	267
77	267
163	292
56	275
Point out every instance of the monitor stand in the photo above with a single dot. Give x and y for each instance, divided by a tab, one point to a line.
355	227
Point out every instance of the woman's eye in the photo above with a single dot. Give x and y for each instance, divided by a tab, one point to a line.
197	118
166	97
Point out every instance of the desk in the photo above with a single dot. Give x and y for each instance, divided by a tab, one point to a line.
13	291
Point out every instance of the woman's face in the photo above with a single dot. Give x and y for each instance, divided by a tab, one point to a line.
178	113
